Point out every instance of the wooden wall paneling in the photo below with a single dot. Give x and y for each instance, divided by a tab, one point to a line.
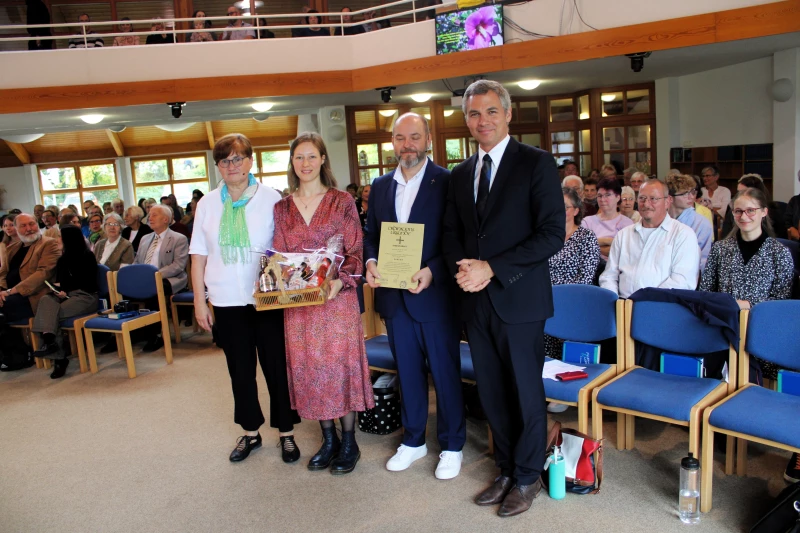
274	126
261	85
20	152
165	149
76	155
147	136
65	142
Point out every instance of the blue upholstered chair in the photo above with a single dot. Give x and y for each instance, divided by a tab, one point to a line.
186	299
74	326
585	313
137	282
379	354
678	400
752	412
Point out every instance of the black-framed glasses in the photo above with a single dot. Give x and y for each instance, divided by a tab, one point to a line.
235	161
691	191
751	212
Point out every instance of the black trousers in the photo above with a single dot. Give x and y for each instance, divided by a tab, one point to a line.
245	334
508	360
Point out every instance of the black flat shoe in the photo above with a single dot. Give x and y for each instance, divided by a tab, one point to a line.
244	446
289	450
153	345
60	368
47	350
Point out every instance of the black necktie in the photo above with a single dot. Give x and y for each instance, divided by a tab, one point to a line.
483	186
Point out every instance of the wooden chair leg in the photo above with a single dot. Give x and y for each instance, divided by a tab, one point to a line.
120	345
621	428
729	455
694	437
128	348
73	344
597	421
165	336
630	431
39	362
706	468
741	457
90	352
79	341
175	323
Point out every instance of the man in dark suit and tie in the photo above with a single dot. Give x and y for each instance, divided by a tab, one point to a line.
504	220
424	333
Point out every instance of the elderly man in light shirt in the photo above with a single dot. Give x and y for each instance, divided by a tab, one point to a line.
657	251
682	192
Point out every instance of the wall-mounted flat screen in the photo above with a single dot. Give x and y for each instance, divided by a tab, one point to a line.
469	29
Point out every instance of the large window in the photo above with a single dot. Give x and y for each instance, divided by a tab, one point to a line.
271	166
62	185
154	178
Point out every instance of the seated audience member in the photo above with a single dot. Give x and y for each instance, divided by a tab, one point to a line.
304	9
575	183
627	174
9	237
576	262
135	229
126	40
38	211
570	168
347	19
627	203
313	30
264	33
92	40
362	203
76	275
37	13
177	226
370	25
118	206
608	171
681	189
774	212
162	37
594	174
168	251
107	208
88	204
113	251
608	221
201	24
698	206
791	218
590	196
718	197
237	29
656	252
352	188
50	219
31	260
150	202
69	219
197	194
637	180
95	230
172	201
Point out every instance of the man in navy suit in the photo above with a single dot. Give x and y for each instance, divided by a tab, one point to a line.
504	220
423	330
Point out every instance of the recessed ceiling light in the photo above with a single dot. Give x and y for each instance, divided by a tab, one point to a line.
261	107
387	112
22	139
176	126
421	97
92	119
529	85
608	97
449	112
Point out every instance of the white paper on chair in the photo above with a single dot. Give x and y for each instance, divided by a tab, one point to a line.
554	366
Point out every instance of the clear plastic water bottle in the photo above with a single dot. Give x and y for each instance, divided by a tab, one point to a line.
689	495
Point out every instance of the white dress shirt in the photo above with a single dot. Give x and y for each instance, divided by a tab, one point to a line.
496	154
108	249
406	192
666	258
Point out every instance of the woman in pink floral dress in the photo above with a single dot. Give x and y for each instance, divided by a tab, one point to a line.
325	354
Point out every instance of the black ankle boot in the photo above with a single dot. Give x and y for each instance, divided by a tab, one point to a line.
59	368
329	450
348	455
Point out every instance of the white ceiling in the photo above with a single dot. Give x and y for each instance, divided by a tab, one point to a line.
561	78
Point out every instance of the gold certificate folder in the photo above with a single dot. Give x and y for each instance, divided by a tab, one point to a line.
400	254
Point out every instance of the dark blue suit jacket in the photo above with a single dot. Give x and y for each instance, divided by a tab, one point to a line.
435	302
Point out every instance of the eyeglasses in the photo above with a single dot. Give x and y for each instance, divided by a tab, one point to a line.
606	196
709	175
568	206
751	212
236	162
692	191
112	225
654	199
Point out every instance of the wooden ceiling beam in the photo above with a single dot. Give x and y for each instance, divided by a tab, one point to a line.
210	133
20	151
116	142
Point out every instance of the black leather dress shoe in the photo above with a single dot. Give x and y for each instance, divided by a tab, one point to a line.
59	368
153	344
48	350
289	450
496	492
519	499
244	446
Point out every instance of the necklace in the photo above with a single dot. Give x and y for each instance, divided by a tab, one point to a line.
311	199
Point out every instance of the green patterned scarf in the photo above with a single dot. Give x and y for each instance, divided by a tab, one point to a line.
234	239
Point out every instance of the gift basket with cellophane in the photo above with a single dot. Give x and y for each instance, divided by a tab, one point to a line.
288	279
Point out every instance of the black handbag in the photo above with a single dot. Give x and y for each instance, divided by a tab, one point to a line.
784	517
384	418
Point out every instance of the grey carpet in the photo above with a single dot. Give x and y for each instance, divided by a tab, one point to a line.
105	453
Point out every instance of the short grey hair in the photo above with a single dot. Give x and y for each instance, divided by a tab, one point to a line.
165	209
572	177
117	201
576	201
639	174
652	181
629	191
115	217
483	87
136	211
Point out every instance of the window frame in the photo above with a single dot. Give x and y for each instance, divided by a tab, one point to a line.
170	172
80	189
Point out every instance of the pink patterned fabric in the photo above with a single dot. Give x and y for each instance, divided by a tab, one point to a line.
325	355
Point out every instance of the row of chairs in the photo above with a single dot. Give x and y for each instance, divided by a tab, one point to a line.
736	408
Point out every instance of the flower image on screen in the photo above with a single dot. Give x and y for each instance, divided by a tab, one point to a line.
469	29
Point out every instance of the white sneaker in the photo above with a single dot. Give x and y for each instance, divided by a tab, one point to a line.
405	456
554	407
449	465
